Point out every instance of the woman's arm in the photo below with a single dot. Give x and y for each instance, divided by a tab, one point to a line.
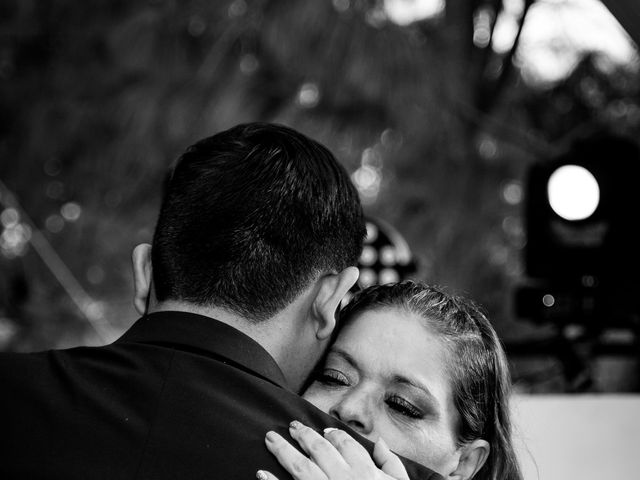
336	456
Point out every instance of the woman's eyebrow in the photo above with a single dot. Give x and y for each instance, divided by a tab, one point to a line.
417	385
345	356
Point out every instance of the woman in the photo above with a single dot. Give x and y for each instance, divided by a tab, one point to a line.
416	368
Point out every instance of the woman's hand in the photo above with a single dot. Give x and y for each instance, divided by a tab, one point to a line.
336	456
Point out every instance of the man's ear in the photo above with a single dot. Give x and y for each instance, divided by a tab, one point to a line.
142	273
472	458
333	288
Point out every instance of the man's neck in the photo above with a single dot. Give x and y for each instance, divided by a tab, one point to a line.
224	315
221	314
275	335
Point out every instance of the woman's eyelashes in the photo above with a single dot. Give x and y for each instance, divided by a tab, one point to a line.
403	407
332	377
342	377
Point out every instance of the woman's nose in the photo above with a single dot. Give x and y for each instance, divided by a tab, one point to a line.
355	409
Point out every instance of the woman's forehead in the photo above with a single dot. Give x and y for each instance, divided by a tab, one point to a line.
394	338
383	318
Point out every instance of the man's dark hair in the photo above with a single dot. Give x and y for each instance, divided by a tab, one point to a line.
250	216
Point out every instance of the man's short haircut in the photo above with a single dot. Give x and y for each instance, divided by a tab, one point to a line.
250	216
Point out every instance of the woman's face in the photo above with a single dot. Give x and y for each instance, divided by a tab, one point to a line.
385	376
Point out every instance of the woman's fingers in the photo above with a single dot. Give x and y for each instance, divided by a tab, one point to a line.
340	456
337	456
388	461
265	475
320	450
299	466
353	453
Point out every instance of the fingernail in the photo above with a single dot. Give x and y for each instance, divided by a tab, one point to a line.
329	430
295	425
271	436
260	475
383	443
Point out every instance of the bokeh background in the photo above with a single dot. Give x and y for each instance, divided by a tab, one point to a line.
436	108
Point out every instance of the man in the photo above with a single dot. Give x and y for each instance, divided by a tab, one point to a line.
255	246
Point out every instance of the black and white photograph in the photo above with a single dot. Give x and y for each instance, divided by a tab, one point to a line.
319	239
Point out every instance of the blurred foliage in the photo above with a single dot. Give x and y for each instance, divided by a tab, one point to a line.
99	97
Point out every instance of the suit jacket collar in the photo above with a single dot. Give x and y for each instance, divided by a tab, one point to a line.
205	335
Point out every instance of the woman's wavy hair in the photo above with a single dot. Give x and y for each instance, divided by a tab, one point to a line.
479	372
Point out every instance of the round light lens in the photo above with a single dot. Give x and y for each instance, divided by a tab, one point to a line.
573	192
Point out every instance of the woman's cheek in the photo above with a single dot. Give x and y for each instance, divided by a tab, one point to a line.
400	437
436	449
422	444
319	398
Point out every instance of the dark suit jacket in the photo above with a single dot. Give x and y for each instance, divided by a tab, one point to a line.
178	396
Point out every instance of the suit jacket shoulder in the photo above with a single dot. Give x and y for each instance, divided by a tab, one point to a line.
177	396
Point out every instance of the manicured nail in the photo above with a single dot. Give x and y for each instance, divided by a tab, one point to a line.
271	436
329	430
295	425
260	475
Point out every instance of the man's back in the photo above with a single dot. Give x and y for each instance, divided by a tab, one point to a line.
259	227
178	396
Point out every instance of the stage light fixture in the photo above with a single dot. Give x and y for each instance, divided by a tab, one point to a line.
386	256
580	212
582	254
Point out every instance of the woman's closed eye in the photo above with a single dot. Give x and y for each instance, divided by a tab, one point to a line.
332	377
403	407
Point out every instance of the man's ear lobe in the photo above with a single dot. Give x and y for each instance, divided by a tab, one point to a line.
473	457
333	288
142	273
